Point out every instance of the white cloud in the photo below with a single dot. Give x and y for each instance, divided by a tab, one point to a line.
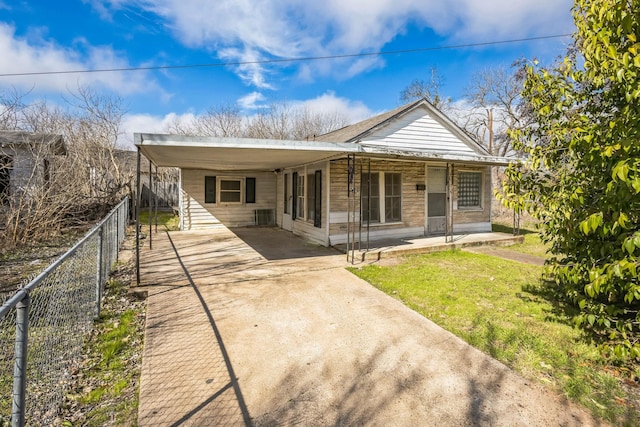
253	30
249	102
353	111
326	103
36	54
146	123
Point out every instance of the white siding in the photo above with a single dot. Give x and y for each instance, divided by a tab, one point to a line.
418	131
196	214
304	227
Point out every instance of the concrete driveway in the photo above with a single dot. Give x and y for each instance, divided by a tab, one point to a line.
261	328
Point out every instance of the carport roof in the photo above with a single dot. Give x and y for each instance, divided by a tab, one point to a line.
215	153
190	152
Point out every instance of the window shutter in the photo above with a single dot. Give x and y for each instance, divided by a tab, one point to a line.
250	193
209	189
294	191
317	220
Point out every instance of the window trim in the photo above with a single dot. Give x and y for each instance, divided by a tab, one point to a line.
220	191
480	205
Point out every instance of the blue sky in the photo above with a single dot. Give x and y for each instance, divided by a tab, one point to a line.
44	35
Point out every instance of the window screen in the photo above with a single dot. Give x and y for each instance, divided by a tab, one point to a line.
469	189
230	191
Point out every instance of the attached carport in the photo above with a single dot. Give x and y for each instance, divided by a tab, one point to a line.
229	154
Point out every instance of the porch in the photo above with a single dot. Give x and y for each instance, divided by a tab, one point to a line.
387	248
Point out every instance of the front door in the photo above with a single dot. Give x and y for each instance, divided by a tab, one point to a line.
436	200
287	222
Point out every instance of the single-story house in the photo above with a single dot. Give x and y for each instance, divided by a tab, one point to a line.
408	172
26	161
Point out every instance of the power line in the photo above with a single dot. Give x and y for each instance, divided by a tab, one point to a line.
282	60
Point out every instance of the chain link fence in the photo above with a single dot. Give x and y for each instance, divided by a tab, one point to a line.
43	325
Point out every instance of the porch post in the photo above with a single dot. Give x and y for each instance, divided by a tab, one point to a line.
450	181
368	201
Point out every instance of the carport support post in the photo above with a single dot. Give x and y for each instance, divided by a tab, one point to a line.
150	206
138	198
155	200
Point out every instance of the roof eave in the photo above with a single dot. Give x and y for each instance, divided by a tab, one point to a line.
449	157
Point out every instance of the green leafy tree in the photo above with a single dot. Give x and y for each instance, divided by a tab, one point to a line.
581	178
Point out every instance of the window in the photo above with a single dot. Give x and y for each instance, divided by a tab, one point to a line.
392	197
469	189
209	189
286	193
230	191
370	212
381	203
300	196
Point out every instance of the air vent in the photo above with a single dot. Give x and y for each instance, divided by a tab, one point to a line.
265	217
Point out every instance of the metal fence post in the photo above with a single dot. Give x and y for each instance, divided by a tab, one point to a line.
20	363
99	272
117	215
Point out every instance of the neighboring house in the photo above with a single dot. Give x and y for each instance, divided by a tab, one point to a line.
26	161
405	173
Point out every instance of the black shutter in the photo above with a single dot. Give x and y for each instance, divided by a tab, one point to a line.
294	192
250	193
317	220
209	189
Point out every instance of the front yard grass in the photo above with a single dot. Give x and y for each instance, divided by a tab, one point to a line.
165	220
500	307
532	244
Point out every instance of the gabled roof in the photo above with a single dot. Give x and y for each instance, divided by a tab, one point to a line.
14	137
356	131
359	131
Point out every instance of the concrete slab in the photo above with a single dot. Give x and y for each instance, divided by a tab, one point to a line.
270	330
386	248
